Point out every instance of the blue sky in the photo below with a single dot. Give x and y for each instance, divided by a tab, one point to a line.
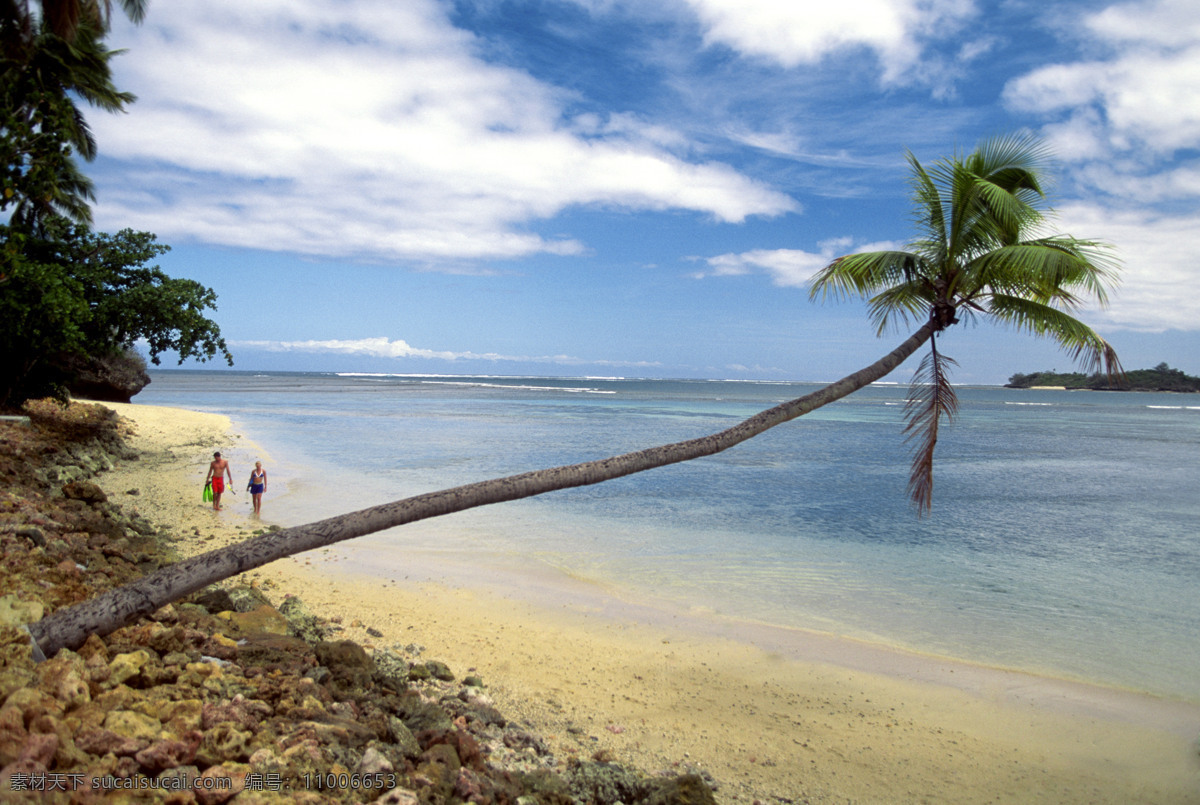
602	187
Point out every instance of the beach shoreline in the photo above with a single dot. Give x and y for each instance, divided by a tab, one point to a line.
847	720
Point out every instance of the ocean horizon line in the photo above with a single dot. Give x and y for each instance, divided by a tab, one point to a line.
527	376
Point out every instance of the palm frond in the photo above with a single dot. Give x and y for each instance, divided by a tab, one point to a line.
1014	161
1082	343
908	301
928	210
930	397
862	274
135	10
1048	269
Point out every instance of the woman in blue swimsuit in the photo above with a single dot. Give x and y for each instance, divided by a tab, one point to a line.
257	485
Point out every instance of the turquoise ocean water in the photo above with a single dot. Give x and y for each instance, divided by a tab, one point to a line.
1065	536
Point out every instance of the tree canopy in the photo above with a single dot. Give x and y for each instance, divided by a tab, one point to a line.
81	293
1160	378
982	248
67	294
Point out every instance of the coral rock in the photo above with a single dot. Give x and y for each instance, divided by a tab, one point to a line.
86	491
133	725
15	612
169	754
126	666
224	742
102	741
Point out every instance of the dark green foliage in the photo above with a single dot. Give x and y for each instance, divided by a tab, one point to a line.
1160	378
68	296
42	128
81	294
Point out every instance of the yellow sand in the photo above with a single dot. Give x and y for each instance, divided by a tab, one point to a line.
849	723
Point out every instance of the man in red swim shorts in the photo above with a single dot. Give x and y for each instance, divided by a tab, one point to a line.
217	471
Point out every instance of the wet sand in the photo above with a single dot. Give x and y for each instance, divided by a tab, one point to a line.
773	715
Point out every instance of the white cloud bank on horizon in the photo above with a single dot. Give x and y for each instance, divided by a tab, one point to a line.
383	347
373	130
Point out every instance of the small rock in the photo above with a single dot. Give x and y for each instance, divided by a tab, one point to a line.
101	741
301	622
398	796
403	738
439	670
15	612
33	534
391	669
126	666
262	619
168	754
374	762
690	789
222	743
214	599
86	491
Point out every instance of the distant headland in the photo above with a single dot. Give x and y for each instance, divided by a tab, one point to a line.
1160	378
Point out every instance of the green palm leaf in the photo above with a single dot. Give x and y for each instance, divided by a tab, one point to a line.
1083	343
980	250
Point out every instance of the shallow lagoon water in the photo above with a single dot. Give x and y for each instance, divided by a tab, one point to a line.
1065	535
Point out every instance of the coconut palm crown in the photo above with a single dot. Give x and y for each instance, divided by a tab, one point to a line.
982	249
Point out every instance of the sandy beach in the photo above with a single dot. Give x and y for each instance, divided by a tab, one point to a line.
791	717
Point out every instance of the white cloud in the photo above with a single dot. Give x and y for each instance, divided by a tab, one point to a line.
1140	95
1147	98
1126	122
788	268
1160	287
1168	23
383	347
804	32
371	129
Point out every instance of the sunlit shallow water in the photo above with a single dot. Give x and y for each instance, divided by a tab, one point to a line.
1065	536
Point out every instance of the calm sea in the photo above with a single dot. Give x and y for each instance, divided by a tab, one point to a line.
1065	535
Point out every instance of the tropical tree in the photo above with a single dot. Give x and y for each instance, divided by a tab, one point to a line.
76	296
63	18
980	250
42	127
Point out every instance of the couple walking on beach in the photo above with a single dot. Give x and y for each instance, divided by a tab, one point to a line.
219	469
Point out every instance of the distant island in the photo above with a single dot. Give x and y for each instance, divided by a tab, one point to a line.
1160	378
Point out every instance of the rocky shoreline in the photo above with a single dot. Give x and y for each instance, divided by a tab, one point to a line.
224	696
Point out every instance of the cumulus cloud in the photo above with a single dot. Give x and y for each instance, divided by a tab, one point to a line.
372	129
1160	287
383	347
1125	123
1139	94
788	268
1147	98
792	34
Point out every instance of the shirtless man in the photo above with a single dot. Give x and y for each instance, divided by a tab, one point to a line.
217	471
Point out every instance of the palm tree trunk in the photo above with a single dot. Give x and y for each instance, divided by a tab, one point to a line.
70	627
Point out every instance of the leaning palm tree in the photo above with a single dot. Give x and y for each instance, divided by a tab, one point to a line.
980	252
